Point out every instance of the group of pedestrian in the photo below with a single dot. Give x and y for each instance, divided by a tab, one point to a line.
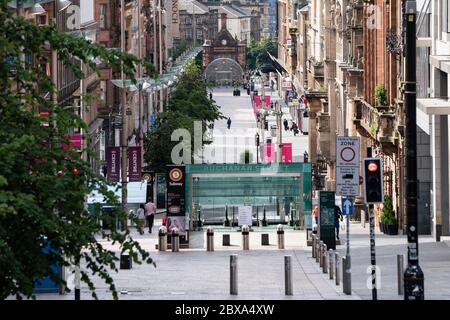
146	213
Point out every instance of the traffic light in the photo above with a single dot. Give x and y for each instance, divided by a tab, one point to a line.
373	181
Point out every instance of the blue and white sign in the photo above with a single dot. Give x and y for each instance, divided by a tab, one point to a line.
347	206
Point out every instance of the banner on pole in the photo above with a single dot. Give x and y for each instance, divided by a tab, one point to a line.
113	164
267	101
134	164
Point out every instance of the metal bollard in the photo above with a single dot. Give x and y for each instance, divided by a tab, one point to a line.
245	237
233	274
325	260
336	268
400	271
317	250
287	275
313	245
321	254
175	240
210	239
162	238
280	233
346	275
330	265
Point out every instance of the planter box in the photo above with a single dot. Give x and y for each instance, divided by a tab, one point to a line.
392	229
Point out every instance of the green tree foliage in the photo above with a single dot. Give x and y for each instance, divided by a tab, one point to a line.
43	183
388	213
188	103
191	96
178	50
257	52
159	142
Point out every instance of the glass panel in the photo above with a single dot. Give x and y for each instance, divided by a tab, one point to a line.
276	189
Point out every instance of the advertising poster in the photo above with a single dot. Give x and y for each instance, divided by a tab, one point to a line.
176	198
245	215
286	152
326	218
113	164
161	188
269	153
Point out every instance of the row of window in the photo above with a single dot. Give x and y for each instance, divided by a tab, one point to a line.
188	34
199	20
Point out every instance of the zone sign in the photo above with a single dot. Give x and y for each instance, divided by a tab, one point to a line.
347	151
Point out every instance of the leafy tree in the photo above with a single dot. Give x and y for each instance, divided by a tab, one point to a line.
43	183
159	143
188	103
191	96
178	50
258	52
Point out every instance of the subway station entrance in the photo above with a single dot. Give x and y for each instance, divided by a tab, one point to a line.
274	193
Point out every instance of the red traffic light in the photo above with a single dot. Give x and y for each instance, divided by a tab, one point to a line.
372	167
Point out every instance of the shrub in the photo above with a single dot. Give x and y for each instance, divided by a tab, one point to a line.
388	213
380	95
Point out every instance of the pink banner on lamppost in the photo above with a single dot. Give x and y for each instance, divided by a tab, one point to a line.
286	152
134	164
269	153
113	163
267	101
257	102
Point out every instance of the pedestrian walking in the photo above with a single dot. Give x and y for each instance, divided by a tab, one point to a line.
337	217
315	215
294	128
229	123
286	125
210	96
141	216
150	211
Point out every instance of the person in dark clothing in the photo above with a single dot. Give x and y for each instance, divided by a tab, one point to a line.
229	123
337	217
286	125
294	128
210	96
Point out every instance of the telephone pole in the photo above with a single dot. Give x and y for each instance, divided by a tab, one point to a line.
413	276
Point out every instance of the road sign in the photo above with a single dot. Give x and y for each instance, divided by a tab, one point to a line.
347	151
347	206
347	181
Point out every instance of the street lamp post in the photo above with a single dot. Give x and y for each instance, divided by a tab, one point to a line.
413	276
124	137
257	146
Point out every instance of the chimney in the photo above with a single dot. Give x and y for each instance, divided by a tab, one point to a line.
223	18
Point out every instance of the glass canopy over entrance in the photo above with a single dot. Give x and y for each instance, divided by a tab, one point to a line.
216	191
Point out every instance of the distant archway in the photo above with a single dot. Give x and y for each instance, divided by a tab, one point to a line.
223	71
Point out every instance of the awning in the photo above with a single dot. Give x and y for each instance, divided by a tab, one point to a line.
434	106
137	193
95	125
276	63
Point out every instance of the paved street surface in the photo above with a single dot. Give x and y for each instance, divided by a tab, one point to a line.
196	274
228	145
199	275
